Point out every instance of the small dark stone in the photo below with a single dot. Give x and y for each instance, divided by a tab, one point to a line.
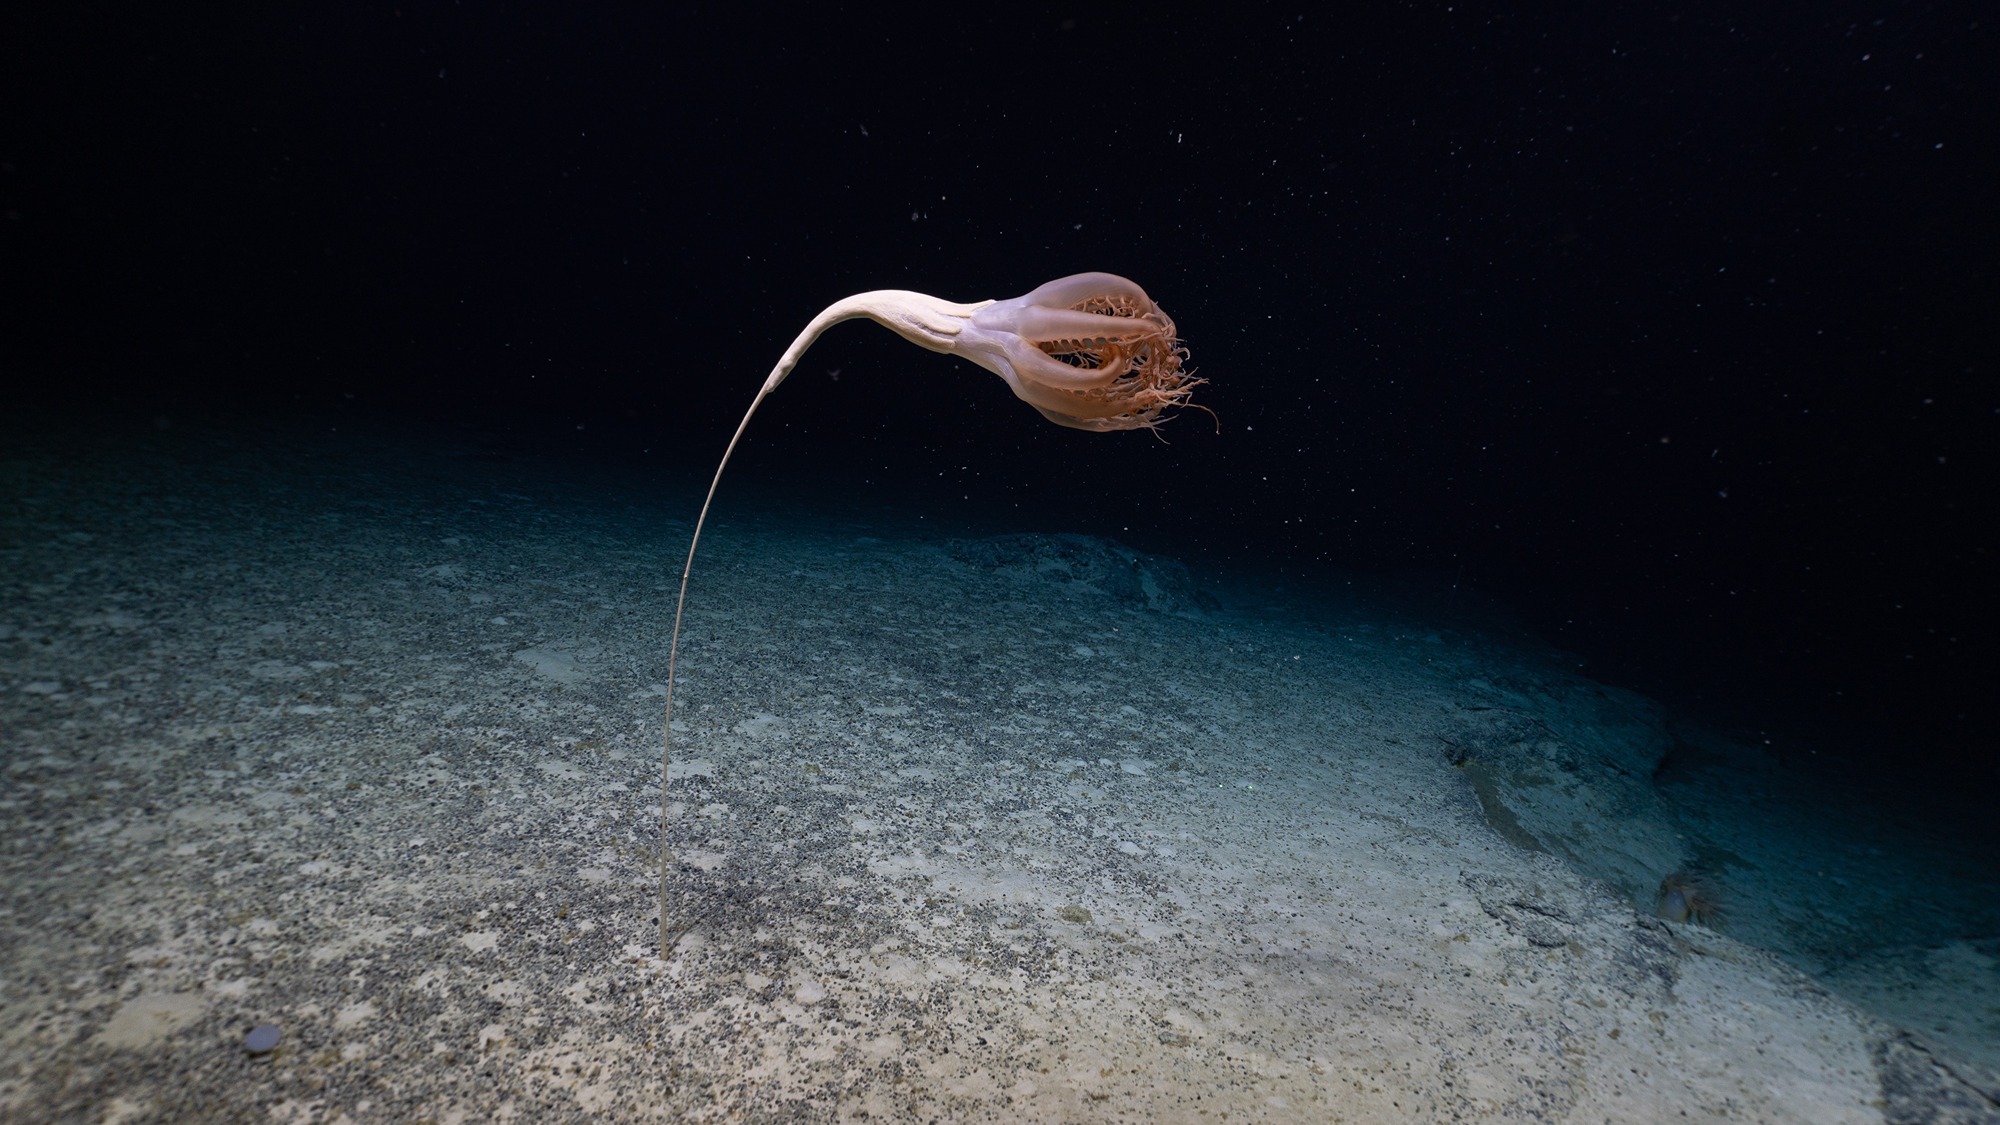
261	1039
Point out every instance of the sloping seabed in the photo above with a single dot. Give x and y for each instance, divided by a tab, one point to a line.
358	735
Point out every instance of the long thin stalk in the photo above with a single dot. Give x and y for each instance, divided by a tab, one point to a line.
673	653
833	314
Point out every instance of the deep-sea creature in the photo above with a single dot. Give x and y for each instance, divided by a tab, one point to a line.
1686	897
1090	351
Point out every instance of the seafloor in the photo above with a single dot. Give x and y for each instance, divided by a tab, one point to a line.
357	733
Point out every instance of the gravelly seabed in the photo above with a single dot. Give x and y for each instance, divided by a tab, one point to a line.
359	737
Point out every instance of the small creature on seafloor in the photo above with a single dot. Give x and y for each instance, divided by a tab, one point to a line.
1688	898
